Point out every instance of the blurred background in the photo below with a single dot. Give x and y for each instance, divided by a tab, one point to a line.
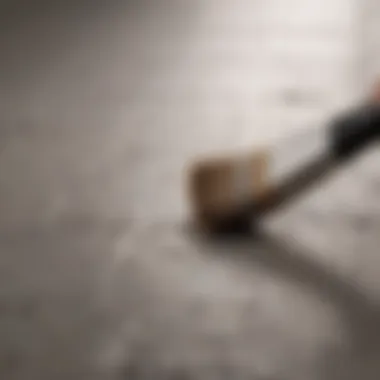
103	104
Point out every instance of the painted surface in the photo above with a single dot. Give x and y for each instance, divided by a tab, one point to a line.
102	106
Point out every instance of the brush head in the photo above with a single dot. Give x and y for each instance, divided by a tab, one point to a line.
224	190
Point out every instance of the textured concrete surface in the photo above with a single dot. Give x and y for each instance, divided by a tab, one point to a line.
102	106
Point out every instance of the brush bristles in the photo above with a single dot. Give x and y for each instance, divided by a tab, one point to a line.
220	188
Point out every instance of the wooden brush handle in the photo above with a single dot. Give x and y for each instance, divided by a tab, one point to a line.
343	138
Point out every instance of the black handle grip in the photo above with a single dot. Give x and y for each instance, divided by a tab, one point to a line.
351	132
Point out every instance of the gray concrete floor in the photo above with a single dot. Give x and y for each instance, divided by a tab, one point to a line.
102	107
